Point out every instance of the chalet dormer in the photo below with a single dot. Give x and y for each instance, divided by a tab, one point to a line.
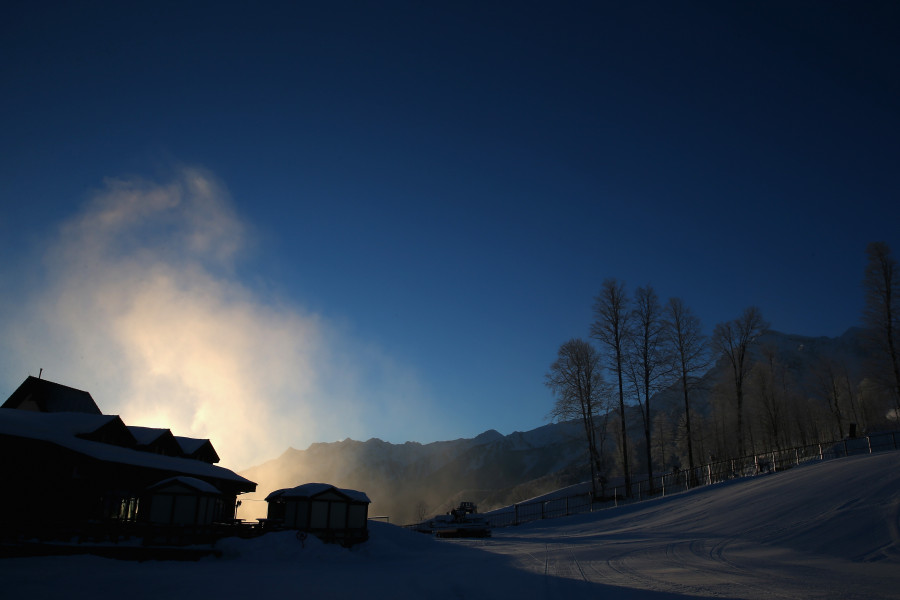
198	449
107	429
157	441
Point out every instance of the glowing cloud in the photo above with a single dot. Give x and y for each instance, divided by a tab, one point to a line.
142	307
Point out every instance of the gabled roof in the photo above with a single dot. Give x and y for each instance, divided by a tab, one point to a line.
152	439
313	490
189	445
146	435
98	428
198	448
46	396
67	431
113	432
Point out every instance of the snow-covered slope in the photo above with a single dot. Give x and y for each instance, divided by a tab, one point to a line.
830	530
822	531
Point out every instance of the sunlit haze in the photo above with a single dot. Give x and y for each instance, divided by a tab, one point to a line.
142	307
279	225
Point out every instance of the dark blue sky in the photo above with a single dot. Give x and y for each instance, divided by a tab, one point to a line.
451	183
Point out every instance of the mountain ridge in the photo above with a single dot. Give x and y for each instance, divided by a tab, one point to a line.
412	480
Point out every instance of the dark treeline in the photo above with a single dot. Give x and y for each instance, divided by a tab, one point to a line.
656	394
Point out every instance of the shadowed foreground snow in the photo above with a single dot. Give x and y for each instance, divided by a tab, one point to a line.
830	530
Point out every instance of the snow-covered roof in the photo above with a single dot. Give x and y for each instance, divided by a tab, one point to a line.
200	449
191	482
146	435
47	396
27	423
189	445
61	429
309	490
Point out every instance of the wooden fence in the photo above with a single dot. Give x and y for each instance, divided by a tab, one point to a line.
679	481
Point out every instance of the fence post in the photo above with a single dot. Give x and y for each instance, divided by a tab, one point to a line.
845	448
774	463
821	456
869	442
796	457
616	497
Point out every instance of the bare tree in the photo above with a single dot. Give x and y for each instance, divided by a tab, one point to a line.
828	383
881	314
688	354
875	404
575	379
852	400
612	327
733	340
646	365
664	437
771	389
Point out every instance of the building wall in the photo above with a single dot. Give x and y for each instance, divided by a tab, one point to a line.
297	514
181	509
319	514
358	516
318	517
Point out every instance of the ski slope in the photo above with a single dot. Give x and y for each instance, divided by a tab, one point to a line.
829	530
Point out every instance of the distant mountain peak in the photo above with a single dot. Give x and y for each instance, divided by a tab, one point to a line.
491	435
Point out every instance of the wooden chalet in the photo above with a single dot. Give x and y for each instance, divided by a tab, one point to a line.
70	465
330	513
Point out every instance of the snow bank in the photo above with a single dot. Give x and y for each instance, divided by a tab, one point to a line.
821	531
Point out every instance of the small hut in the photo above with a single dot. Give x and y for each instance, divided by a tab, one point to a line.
182	501
330	513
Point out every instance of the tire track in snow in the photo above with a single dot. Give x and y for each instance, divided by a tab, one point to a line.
560	561
578	566
686	567
625	573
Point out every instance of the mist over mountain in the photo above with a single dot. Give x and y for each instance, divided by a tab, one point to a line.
410	481
406	481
